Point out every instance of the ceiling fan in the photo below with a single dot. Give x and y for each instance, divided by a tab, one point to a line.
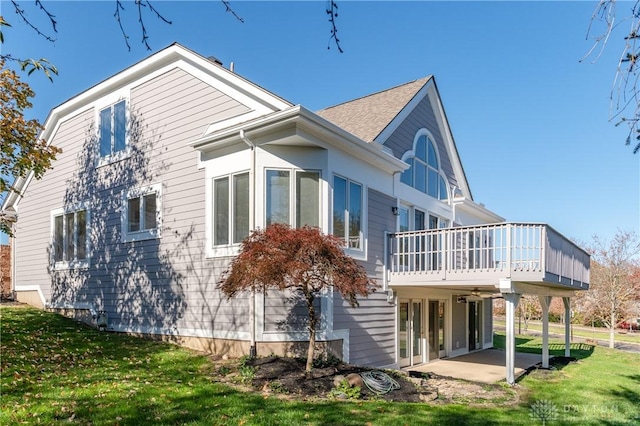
477	293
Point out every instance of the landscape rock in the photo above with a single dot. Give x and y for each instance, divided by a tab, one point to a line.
338	379
354	380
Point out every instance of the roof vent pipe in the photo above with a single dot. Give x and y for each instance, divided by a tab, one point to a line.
231	67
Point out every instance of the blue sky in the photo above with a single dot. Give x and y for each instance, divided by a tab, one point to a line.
530	120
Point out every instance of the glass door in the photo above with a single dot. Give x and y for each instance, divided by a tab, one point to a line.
436	329
417	334
410	332
475	325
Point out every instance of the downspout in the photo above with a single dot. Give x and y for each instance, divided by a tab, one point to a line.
252	223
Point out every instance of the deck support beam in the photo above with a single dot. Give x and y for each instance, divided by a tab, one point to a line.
511	304
567	326
545	301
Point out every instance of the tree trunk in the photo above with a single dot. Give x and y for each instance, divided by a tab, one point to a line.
312	334
612	330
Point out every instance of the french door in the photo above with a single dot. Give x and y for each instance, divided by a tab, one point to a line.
411	334
436	329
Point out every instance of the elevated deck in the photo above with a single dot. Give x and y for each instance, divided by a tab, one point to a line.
473	256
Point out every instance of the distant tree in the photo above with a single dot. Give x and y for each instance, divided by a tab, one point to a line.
20	149
529	308
302	260
625	93
614	285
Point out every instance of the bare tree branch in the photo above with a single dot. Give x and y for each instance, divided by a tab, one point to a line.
332	11
228	9
20	11
119	6
625	90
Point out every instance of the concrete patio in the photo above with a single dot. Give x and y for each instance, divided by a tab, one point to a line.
486	366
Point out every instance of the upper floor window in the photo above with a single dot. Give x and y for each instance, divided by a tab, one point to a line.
70	242
141	216
113	129
424	173
294	201
347	212
230	209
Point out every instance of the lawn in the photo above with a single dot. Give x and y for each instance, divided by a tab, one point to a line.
57	371
582	331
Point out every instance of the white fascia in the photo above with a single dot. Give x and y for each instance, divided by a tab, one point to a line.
477	210
308	126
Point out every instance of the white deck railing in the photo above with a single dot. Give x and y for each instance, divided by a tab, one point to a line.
530	252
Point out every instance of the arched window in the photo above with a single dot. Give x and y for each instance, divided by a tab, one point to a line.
424	173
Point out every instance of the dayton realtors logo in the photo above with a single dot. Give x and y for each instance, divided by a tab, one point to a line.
544	411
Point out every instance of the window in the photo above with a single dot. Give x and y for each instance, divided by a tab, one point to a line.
230	209
141	217
70	242
306	193
113	129
424	172
347	212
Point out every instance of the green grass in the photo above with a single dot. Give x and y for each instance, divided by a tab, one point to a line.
582	331
57	371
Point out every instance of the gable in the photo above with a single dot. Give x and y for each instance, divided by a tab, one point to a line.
368	116
425	111
227	97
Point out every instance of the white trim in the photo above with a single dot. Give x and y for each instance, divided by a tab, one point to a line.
356	253
144	234
110	102
62	212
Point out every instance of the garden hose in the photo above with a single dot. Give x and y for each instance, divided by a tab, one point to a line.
379	382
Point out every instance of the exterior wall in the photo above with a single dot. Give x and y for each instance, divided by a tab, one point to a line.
459	328
163	285
372	328
5	271
423	116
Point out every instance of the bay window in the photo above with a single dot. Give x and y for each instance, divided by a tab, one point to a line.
347	212
230	209
294	202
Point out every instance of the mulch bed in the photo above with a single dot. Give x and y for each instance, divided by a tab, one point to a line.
286	378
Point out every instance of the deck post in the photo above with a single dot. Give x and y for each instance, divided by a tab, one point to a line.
567	326
545	301
511	303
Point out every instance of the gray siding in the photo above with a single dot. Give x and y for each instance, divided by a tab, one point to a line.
372	324
286	311
152	285
423	116
459	331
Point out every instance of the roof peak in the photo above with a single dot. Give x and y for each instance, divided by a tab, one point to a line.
423	79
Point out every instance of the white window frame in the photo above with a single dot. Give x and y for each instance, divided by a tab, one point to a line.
412	155
357	252
293	193
74	263
223	248
113	157
142	234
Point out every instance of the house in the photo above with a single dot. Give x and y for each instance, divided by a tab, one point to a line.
168	165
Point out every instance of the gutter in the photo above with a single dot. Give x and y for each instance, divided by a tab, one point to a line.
252	223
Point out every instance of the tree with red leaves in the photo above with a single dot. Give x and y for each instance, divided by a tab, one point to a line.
302	260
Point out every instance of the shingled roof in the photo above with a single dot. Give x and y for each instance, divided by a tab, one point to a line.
368	116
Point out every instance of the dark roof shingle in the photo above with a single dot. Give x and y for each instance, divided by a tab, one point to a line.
368	116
